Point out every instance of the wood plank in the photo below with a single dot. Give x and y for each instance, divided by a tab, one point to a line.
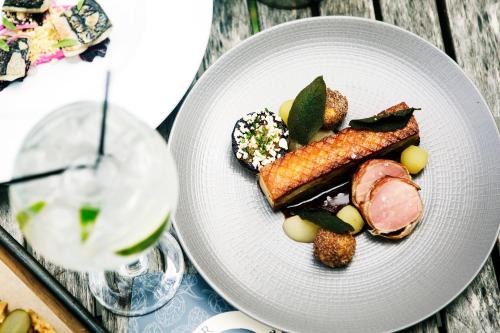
269	16
231	25
6	220
475	306
477	309
475	30
475	27
360	8
419	17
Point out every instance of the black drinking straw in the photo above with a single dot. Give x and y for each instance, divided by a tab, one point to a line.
102	137
100	151
40	175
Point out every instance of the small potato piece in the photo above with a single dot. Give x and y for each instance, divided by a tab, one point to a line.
285	110
349	214
414	159
300	230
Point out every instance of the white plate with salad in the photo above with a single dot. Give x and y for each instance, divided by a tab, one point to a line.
54	53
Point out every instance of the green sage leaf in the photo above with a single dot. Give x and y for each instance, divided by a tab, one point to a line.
307	112
8	24
325	220
66	43
384	122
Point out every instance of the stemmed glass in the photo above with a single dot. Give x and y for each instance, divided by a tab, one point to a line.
108	207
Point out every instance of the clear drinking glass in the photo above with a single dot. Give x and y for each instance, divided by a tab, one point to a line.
102	217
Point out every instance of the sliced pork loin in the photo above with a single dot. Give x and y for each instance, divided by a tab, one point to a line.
371	171
393	207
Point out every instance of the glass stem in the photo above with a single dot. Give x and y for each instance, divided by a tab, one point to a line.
136	268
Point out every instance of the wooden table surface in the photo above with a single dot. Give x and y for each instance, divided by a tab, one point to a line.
468	31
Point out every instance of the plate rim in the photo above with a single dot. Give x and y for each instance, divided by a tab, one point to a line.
305	21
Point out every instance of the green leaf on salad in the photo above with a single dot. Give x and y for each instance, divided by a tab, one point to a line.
66	43
24	216
325	220
88	217
146	242
384	122
79	5
4	46
8	24
307	112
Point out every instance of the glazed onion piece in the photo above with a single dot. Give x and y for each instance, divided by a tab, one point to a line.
393	208
371	171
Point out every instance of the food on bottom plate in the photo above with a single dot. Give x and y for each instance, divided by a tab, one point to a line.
393	208
414	159
50	32
26	6
22	321
333	249
371	171
311	168
258	139
336	108
313	182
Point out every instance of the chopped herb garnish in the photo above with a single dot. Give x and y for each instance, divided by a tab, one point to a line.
88	217
4	46
24	216
8	24
66	43
79	5
384	122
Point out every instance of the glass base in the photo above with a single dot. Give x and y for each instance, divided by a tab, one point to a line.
143	286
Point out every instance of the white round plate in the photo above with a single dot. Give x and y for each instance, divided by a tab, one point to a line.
236	241
156	48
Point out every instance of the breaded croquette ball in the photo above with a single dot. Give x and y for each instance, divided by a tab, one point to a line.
336	108
332	249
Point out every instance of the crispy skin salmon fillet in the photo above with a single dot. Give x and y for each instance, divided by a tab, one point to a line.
317	165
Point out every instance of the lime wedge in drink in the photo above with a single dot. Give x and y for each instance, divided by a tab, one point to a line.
146	242
24	216
88	216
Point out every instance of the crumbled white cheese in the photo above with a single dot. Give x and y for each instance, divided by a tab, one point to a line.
260	138
283	143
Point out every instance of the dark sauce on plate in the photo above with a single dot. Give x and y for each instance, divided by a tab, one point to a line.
331	200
